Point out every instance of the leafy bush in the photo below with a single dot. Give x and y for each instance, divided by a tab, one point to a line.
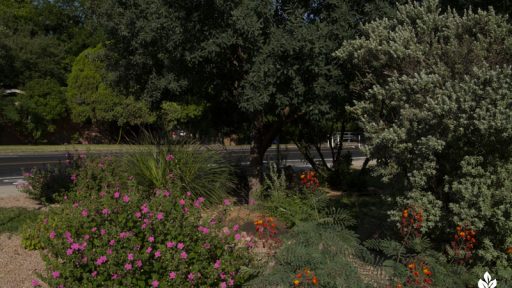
185	167
48	184
436	110
118	237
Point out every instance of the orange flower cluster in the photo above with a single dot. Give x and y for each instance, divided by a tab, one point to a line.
306	278
419	275
309	179
266	228
412	222
463	244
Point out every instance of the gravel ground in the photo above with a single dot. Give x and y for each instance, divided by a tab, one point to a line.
18	266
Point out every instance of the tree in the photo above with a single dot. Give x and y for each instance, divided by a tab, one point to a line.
36	112
433	98
91	99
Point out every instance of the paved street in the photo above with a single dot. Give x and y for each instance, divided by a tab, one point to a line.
12	166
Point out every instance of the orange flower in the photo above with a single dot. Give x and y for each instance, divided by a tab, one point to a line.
462	234
258	222
405	213
411	266
399	285
296	282
416	274
314	280
509	250
299	275
426	271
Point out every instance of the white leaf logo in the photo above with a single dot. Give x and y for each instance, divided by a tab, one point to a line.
487	282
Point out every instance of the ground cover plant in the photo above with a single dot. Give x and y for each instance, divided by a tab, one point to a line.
12	220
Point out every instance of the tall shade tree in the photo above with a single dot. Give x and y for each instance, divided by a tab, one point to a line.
433	95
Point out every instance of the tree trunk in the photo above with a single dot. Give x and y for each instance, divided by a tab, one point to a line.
263	135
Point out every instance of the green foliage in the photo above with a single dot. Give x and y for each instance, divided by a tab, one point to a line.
188	167
90	97
329	250
48	185
290	205
37	111
121	237
13	219
175	114
433	97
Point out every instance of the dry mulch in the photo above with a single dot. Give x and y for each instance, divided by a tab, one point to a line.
18	267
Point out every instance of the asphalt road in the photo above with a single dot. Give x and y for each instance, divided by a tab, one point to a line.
12	166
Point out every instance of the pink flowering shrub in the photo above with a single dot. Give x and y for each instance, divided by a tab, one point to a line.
114	236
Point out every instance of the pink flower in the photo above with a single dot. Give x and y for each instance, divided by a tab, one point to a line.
181	202
69	251
114	276
170	244
183	255
157	254
75	246
109	251
130	256
126	199
94	229
124	235
189	193
117	194
93	274
155	283
55	274
160	216
138	214
102	194
149	250
127	266
172	275
139	263
151	239
101	260
185	210
203	230
226	230
237	237
217	264
105	211
206	245
73	178
103	232
85	212
231	282
169	157
227	202
236	227
223	285
86	237
200	199
36	283
75	205
52	235
181	246
144	208
112	242
190	277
